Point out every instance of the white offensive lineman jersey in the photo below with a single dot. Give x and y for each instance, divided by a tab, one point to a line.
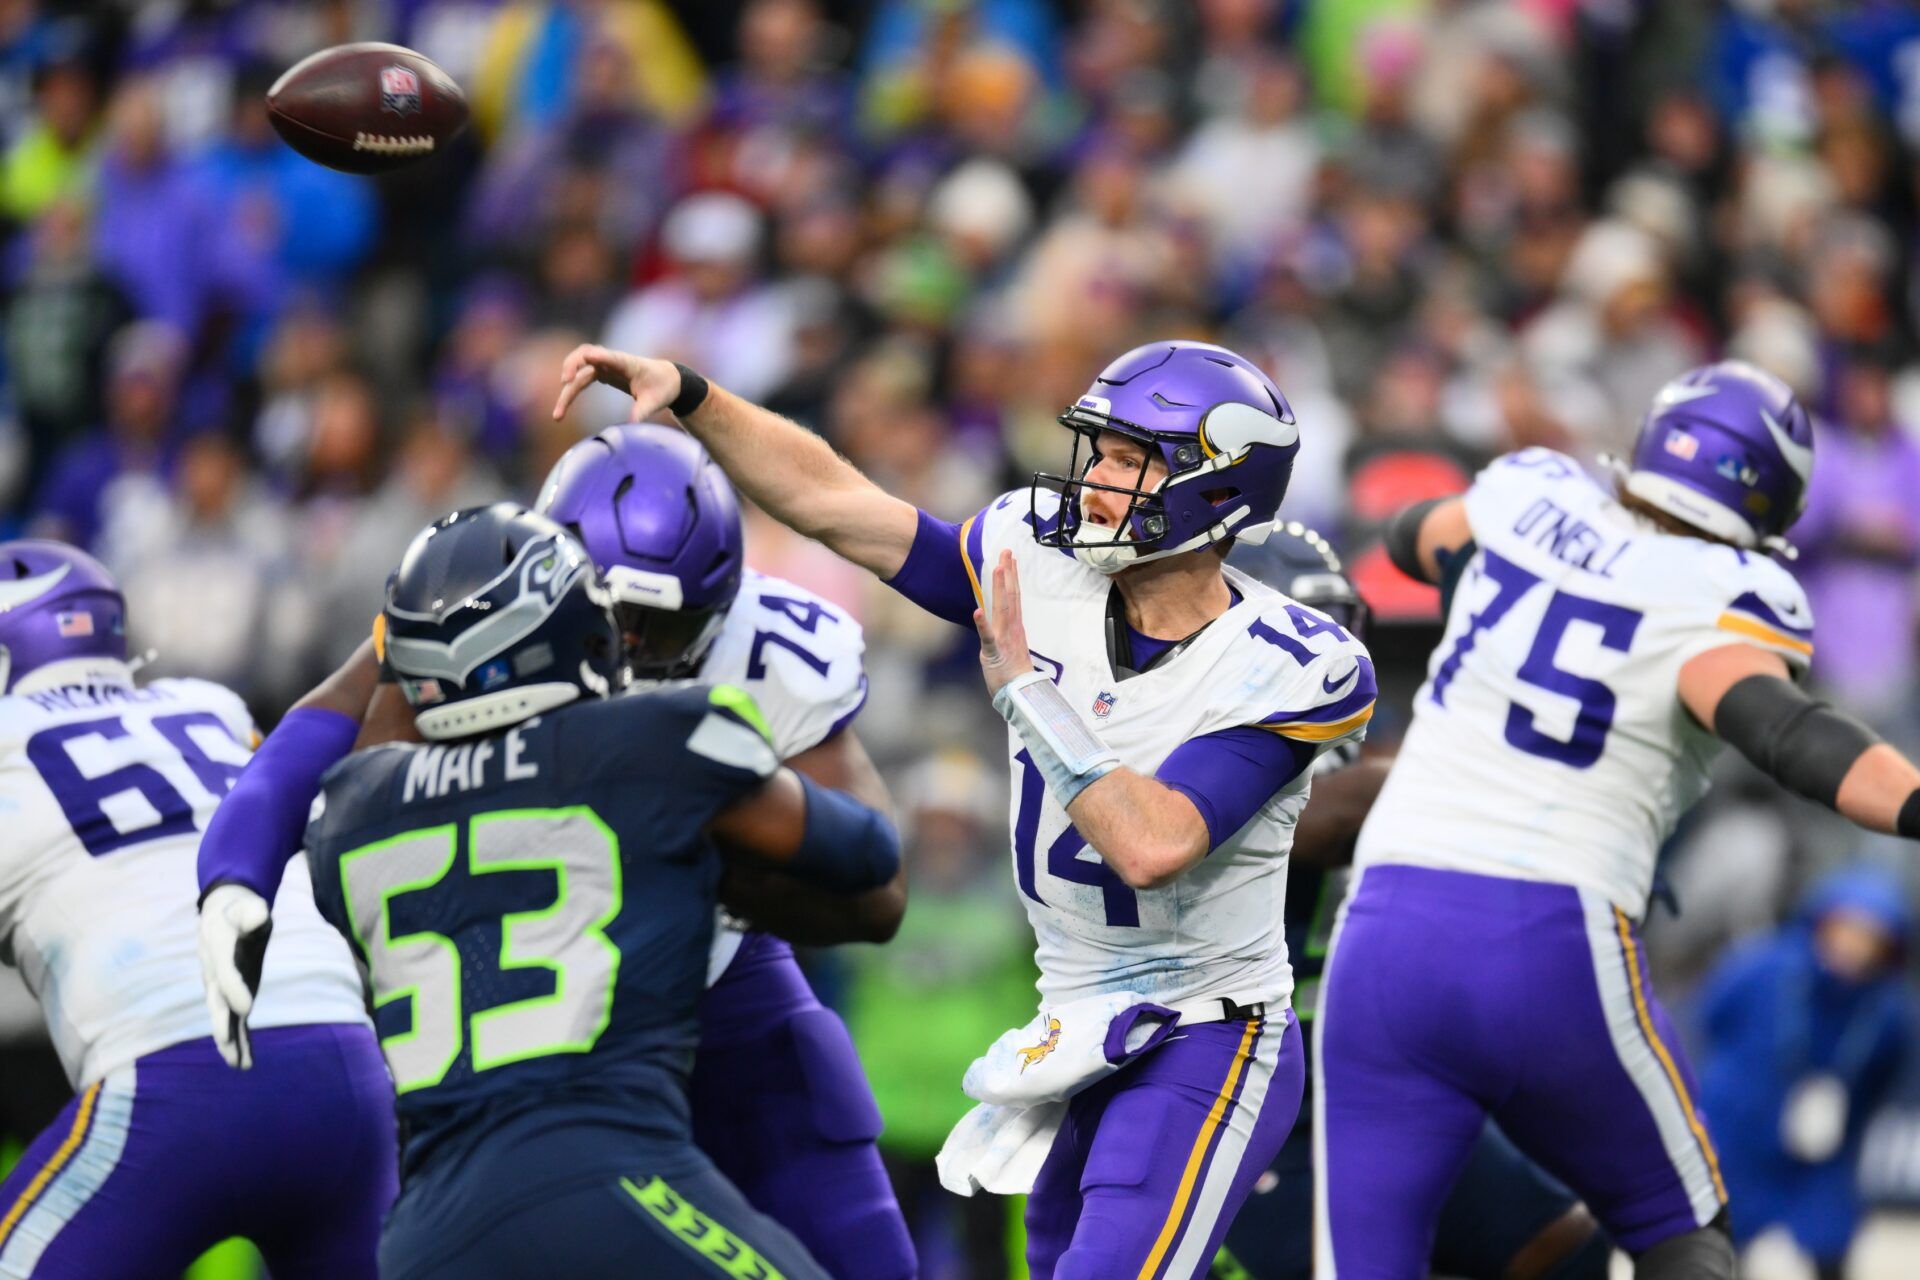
105	788
800	659
1218	929
1549	741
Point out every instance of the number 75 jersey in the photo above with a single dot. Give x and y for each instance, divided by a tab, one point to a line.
1549	741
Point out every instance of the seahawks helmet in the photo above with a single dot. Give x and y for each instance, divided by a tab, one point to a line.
494	616
1225	432
1298	562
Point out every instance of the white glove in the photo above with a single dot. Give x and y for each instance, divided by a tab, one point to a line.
234	926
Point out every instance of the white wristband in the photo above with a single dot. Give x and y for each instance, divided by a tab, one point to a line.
1070	755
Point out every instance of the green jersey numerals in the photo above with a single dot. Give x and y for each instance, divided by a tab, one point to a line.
567	938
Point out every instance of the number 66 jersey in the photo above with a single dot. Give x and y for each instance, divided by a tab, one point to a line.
104	790
1549	741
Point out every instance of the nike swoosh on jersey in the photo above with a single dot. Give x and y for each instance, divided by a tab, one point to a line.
1333	686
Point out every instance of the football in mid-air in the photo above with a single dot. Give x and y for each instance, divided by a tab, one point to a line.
366	108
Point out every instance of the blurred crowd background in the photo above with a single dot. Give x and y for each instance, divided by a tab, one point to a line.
1448	228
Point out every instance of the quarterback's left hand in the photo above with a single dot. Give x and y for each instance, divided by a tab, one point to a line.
1003	637
235	923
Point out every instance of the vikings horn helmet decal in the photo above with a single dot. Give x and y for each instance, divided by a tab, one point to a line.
1226	434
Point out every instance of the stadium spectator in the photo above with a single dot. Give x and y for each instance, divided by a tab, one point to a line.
128	457
1861	538
1805	1031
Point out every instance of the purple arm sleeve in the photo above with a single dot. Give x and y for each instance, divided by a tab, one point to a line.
935	574
257	828
1230	774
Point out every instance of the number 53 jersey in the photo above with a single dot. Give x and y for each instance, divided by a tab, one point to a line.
534	908
1549	741
104	790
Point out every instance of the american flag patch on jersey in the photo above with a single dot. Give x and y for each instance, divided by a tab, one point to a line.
73	625
1682	445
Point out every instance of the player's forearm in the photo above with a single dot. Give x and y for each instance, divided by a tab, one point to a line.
781	904
1332	820
350	687
257	828
796	477
1807	746
1882	792
798	912
1145	830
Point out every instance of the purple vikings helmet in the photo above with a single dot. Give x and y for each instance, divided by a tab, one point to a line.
1727	449
1227	436
56	603
662	523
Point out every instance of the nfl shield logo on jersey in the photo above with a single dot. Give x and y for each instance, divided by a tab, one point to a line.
399	91
1103	705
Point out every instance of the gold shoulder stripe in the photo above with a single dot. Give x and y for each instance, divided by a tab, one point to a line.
973	578
1753	628
1310	731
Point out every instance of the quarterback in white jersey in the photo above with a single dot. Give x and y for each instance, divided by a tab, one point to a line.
106	786
1164	716
1599	647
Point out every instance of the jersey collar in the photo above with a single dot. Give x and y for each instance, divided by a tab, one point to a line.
74	671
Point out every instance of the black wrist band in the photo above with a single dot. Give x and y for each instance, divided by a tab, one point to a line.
1908	823
693	392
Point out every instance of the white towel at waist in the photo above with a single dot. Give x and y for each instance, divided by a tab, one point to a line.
1025	1078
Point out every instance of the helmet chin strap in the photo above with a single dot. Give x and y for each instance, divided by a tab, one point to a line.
1117	551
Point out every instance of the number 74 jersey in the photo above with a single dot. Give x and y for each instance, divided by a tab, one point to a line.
1549	741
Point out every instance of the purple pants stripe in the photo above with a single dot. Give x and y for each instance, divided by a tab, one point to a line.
158	1161
1449	997
1152	1163
781	1105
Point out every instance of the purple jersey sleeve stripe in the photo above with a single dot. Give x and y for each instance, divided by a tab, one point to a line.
1752	605
937	575
257	827
1228	775
1358	694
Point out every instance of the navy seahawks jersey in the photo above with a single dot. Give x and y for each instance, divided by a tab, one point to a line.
534	908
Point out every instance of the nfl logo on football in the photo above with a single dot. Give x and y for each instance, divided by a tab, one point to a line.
1103	705
399	91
